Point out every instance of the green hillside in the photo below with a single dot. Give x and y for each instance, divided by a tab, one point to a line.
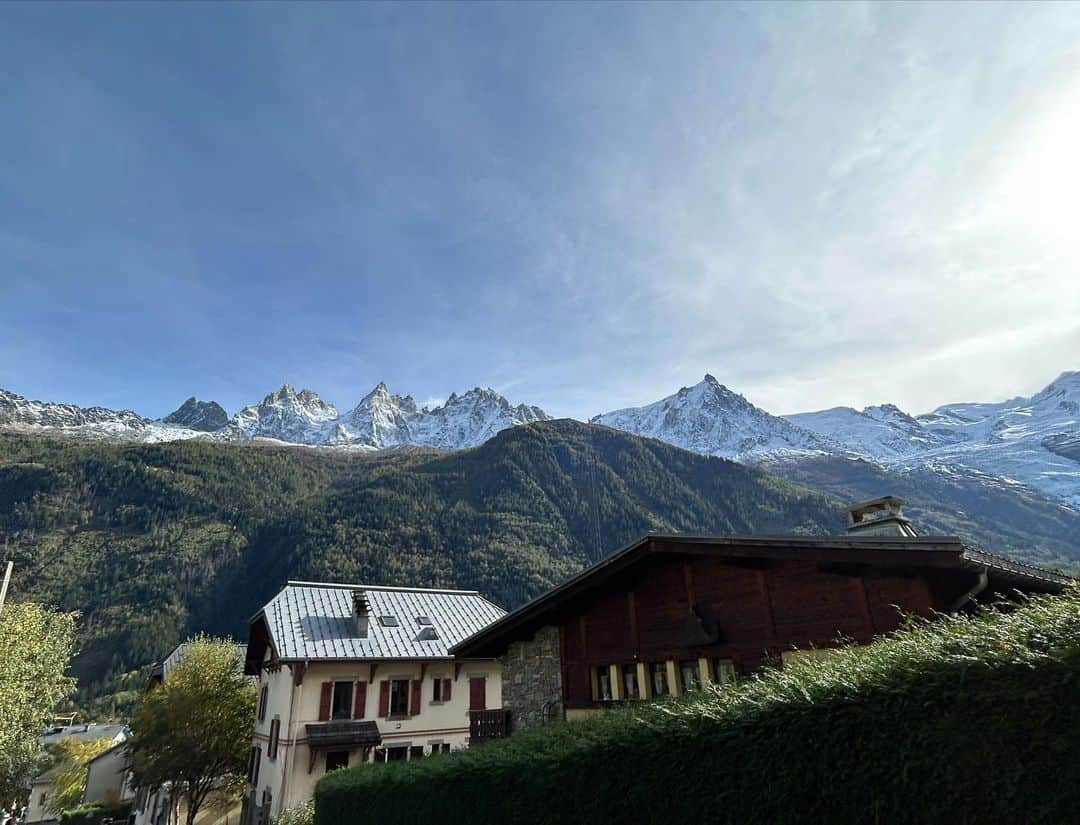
152	542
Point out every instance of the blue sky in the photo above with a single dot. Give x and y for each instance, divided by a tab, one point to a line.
583	206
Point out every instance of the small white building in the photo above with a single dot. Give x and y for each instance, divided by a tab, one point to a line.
354	674
108	777
41	788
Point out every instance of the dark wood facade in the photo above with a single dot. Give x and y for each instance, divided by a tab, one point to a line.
746	601
678	609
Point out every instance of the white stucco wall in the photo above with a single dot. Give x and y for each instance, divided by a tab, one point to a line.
287	777
106	778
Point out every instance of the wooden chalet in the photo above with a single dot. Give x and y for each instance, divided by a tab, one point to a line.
670	612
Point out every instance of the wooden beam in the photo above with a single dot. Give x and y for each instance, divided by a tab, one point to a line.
631	606
298	671
457	668
423	669
371	673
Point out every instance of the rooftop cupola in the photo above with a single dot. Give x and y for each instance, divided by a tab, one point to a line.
360	613
879	517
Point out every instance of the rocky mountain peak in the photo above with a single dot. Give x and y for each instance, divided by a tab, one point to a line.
205	416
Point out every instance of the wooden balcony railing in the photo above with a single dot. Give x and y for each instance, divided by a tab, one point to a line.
488	724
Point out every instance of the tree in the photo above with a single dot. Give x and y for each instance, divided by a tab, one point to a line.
36	646
71	758
192	734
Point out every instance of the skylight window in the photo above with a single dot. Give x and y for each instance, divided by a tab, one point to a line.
388	621
423	620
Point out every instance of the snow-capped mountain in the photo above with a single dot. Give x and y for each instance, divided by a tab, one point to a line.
883	432
1029	440
711	419
380	420
289	416
18	411
470	419
205	416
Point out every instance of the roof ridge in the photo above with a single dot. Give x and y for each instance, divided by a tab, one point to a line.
384	587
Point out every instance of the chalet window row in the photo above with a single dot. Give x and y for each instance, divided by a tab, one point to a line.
398	698
391	753
625	676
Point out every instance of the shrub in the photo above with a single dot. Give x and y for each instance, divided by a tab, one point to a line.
95	814
300	814
960	720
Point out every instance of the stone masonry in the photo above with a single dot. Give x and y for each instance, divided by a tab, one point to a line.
532	680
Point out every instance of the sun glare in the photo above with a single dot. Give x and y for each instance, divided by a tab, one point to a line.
1042	185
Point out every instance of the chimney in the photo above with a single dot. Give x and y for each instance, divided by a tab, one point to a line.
879	517
360	613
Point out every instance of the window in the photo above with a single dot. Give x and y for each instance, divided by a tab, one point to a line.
603	683
388	621
342	704
629	681
416	751
725	671
423	620
275	732
254	758
440	747
263	696
336	759
399	697
691	674
440	690
397	754
659	679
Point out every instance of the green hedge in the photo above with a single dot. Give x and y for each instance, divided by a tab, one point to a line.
93	813
960	720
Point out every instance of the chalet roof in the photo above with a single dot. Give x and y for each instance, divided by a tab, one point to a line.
313	620
84	733
873	550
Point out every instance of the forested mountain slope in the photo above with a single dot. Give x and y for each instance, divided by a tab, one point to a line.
151	542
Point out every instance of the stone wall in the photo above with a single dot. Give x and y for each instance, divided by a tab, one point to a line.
532	680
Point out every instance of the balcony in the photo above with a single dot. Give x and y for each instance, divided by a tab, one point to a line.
488	724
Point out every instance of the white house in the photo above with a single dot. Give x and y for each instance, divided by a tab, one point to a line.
41	787
353	674
107	777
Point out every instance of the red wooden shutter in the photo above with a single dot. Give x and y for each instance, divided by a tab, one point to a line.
271	748
446	689
361	697
384	698
324	701
414	701
478	693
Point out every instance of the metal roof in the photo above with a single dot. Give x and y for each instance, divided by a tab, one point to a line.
84	733
314	620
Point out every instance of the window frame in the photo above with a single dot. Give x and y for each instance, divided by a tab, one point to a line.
438	690
694	666
624	672
406	692
351	689
659	669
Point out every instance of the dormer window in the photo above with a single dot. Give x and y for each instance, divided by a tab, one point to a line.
388	621
428	634
423	621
